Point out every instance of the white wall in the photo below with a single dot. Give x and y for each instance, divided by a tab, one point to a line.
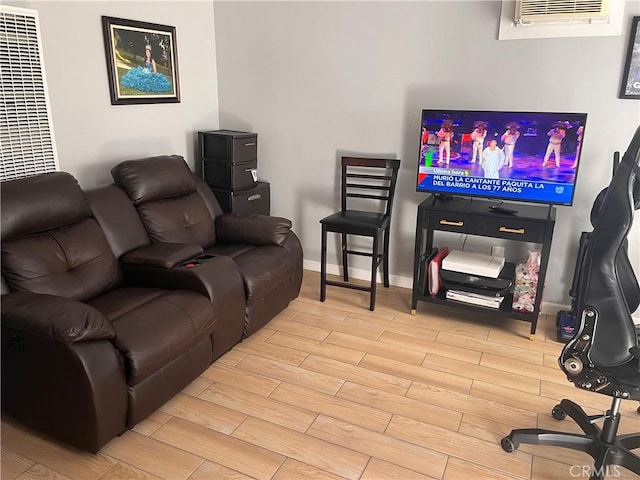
91	134
318	79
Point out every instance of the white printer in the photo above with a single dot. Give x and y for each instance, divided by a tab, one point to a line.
473	263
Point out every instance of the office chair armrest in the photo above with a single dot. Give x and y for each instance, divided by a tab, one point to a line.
252	229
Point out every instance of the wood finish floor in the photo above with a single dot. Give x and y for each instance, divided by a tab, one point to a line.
331	390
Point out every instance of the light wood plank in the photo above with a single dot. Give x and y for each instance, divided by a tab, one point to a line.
458	469
251	382
122	471
358	328
412	357
266	408
460	446
380	470
152	423
294	470
225	450
57	457
336	352
291	327
428	346
40	472
358	374
150	455
384	447
231	358
486	346
481	372
304	448
210	471
339	408
447	380
522	368
295	375
204	412
272	351
198	386
402	405
12	464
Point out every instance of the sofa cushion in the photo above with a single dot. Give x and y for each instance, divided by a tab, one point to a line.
154	178
183	219
40	203
164	191
263	269
72	262
153	326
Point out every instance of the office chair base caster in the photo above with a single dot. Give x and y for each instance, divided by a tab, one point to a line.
607	449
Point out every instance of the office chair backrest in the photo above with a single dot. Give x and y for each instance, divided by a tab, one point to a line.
601	302
378	184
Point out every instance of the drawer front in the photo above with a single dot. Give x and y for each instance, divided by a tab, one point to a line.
256	200
452	222
228	148
230	176
244	149
513	229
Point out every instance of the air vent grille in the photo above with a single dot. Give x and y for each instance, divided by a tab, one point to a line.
561	10
27	145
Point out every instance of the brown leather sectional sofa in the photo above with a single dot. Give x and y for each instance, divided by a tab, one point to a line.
115	299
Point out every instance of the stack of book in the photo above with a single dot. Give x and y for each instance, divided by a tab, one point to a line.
474	299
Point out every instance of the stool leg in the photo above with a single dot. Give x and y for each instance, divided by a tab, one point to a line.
345	266
385	260
323	265
374	273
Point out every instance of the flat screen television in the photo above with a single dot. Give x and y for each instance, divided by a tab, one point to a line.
520	156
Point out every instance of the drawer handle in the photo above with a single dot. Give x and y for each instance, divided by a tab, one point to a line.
257	196
519	231
453	224
250	144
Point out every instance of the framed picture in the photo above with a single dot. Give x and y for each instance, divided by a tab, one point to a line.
631	77
142	64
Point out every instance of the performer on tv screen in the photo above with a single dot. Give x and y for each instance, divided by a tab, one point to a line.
445	135
579	133
492	160
556	135
477	136
509	138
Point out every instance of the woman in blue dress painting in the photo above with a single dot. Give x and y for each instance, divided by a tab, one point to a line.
147	78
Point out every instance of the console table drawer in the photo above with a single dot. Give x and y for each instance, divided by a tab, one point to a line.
452	222
513	229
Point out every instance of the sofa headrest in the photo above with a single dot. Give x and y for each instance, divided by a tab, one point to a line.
41	203
154	178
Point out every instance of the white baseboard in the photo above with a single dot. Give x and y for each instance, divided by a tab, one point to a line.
548	308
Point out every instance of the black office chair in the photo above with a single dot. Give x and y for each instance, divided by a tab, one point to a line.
369	179
603	357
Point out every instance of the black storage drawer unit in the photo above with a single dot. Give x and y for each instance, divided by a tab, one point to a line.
228	145
230	176
254	200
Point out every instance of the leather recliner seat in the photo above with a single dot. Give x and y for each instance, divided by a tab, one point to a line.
175	206
86	354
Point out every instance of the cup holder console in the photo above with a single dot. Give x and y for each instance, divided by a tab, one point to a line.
197	260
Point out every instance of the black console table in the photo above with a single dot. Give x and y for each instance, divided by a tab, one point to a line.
530	223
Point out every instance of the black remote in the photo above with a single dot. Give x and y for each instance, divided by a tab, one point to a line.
501	209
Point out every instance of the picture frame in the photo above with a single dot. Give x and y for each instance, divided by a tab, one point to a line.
630	87
142	62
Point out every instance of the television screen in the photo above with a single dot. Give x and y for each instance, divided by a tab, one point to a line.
521	156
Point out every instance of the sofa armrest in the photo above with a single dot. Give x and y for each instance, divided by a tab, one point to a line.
252	229
161	255
57	318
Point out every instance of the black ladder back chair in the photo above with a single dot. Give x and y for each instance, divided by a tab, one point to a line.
367	180
603	357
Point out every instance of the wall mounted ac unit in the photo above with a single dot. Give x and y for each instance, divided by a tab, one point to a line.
27	144
529	19
561	11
